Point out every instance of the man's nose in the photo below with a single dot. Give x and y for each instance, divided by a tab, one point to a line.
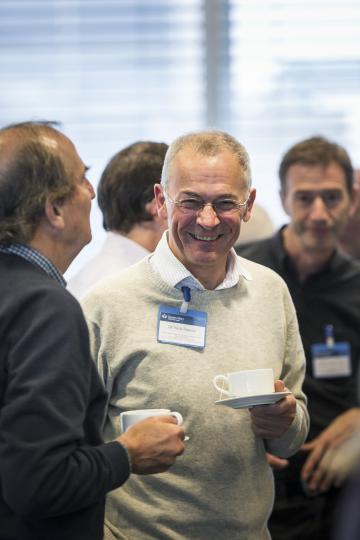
207	217
91	189
319	210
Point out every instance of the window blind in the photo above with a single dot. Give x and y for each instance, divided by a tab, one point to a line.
111	71
294	72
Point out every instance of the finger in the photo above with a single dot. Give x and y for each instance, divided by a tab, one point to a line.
268	431
279	386
282	409
276	409
273	426
281	464
181	449
169	419
312	461
276	463
307	447
262	427
323	476
327	481
261	421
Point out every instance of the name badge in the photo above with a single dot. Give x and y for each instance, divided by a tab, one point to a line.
186	329
331	361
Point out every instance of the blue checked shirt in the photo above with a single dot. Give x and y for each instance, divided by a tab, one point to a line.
33	256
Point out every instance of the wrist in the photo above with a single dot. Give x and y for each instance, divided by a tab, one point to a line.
127	454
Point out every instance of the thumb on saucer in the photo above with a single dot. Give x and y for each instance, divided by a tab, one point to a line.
279	386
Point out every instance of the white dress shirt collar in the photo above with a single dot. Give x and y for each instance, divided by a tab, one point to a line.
174	273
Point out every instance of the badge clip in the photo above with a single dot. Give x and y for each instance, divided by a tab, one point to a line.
187	298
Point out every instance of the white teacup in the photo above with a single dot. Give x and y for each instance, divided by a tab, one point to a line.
129	418
251	382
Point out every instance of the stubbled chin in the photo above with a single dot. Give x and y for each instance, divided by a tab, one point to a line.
204	247
319	243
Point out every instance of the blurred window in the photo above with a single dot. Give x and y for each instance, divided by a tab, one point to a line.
114	71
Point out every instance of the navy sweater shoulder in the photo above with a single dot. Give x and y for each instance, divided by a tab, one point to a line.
54	468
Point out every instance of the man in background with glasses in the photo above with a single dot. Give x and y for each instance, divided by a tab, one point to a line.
316	189
162	330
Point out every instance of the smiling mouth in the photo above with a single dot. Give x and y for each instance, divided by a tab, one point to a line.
205	238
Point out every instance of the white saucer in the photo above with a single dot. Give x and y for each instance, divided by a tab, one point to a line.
251	401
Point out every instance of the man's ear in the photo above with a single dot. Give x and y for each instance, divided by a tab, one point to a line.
159	198
151	208
54	214
249	205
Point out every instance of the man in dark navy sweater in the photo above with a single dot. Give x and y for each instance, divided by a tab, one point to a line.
317	194
54	468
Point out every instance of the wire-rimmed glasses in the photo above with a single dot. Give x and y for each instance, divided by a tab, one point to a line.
193	205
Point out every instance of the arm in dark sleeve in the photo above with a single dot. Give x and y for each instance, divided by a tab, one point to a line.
52	458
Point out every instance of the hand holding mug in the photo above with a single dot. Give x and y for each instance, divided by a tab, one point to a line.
153	438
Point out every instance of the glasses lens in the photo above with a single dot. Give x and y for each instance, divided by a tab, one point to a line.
226	207
190	205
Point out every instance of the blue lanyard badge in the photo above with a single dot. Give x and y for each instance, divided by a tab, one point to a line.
186	329
182	326
331	359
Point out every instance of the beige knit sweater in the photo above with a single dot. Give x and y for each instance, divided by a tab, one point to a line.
221	487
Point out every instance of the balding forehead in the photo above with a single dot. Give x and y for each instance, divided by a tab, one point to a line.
26	133
13	142
13	139
50	142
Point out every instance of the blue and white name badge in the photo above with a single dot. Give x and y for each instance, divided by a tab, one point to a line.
186	329
331	359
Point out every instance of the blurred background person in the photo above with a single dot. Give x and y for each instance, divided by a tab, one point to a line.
316	188
126	200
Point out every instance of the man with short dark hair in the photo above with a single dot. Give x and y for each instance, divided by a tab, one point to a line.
165	327
317	193
54	468
126	199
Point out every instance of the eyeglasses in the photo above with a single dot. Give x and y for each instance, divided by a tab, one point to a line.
223	207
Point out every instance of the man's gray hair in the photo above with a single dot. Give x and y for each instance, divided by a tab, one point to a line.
207	143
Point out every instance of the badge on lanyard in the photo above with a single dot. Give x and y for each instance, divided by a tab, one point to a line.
181	326
331	359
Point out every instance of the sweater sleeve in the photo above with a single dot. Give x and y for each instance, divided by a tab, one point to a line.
293	373
52	458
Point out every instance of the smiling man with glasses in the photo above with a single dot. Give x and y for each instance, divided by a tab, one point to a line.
194	310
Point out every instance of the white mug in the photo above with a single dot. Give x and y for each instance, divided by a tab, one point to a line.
251	382
129	418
